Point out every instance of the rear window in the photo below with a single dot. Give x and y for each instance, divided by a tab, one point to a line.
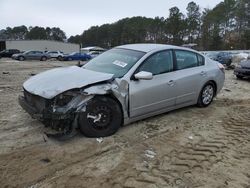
185	59
201	60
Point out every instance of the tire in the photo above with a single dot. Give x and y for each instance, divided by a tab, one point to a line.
60	58
43	58
110	118
69	59
21	58
206	95
239	77
229	62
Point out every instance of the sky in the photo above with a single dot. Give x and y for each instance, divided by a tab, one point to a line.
75	16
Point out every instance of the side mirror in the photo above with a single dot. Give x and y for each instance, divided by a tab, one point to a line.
143	75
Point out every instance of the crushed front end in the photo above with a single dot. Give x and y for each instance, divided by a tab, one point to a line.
59	113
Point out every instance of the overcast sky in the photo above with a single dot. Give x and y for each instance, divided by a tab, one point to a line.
74	16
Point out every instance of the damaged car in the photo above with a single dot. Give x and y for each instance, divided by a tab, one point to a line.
125	84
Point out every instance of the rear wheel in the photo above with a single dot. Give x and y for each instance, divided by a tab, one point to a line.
206	95
103	117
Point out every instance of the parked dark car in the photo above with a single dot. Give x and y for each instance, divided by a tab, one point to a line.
243	69
31	55
76	56
224	58
8	52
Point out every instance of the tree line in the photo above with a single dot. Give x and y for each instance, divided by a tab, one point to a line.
226	26
32	33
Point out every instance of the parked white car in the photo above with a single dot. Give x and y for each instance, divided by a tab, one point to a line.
94	53
56	54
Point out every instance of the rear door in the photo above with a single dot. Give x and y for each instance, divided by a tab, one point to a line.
30	55
147	96
38	55
191	74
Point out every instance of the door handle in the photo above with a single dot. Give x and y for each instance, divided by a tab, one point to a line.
203	73
171	83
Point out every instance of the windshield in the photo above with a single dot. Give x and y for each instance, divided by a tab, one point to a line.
73	53
26	52
115	61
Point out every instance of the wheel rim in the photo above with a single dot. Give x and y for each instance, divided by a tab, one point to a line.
207	94
100	117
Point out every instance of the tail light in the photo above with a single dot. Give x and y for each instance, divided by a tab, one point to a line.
221	67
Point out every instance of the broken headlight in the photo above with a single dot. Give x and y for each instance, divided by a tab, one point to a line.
64	98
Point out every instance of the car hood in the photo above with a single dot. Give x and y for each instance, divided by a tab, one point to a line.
55	81
245	64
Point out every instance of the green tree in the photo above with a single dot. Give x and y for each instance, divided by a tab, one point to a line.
37	33
193	21
176	26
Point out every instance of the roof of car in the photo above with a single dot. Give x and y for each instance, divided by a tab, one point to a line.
149	47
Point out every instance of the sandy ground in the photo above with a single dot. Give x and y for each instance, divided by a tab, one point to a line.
190	147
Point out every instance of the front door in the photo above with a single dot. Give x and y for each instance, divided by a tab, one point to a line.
147	96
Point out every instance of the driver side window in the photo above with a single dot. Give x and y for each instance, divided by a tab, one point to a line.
159	63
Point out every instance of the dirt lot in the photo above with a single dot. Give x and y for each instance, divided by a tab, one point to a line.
191	147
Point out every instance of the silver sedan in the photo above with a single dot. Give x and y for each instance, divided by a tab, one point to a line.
120	86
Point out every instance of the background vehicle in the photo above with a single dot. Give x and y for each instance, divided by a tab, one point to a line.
120	86
8	52
76	56
94	53
56	54
243	69
92	49
31	55
224	58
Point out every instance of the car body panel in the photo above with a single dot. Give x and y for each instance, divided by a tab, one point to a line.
55	54
138	99
189	83
9	52
77	56
144	94
53	82
31	55
94	54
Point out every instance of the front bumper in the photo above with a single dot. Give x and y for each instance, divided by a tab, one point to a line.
45	115
242	72
28	108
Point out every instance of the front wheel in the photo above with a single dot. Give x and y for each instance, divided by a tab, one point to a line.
103	117
21	58
60	58
206	95
43	58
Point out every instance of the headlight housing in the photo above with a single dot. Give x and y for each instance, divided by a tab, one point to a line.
64	98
